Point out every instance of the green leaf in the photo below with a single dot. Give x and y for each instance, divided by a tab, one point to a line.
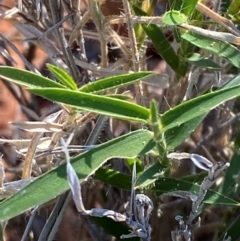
53	183
95	103
114	178
188	7
120	96
164	48
232	230
114	82
198	60
234	8
174	17
164	185
27	78
139	164
195	178
63	77
233	82
175	4
149	176
175	136
231	177
220	48
197	107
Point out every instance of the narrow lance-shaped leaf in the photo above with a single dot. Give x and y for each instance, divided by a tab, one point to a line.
198	60
220	48
164	48
54	183
63	77
95	103
114	82
27	78
196	107
188	7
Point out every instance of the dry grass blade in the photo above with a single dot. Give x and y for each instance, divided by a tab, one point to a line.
218	18
134	49
97	18
6	55
9	13
2	173
212	34
37	126
27	168
135	19
23	144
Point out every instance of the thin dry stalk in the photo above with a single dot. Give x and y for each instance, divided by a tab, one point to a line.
27	167
131	36
217	18
134	19
9	13
228	37
97	18
78	18
134	49
77	30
